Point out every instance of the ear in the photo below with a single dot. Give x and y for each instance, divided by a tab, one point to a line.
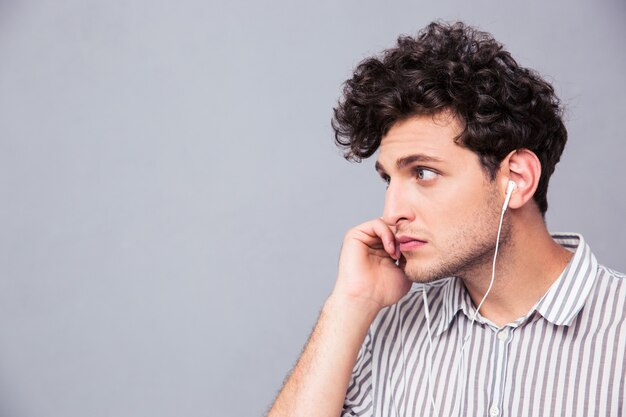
523	167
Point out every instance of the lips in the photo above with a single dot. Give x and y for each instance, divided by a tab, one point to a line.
408	243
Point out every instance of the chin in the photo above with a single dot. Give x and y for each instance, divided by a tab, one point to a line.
421	273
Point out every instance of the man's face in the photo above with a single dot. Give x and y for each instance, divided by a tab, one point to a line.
440	196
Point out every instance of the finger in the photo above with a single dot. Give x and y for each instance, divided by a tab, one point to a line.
391	226
378	231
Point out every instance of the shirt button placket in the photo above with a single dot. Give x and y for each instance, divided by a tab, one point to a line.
500	360
502	335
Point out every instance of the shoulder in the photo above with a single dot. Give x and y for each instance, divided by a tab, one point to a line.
611	273
610	284
606	303
610	281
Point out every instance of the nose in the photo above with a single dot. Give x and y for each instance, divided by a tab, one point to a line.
398	207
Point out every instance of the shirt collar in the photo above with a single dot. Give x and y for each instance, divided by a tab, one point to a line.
568	293
559	305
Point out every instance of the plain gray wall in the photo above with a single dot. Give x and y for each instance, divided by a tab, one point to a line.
172	204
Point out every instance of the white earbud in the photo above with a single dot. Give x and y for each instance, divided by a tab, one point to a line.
509	190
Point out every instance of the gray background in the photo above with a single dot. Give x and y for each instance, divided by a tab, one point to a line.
172	204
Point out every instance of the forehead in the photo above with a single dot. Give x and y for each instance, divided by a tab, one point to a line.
432	136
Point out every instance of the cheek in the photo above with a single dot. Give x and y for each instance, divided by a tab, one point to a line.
458	206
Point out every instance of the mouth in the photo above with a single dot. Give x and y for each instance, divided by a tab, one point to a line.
408	243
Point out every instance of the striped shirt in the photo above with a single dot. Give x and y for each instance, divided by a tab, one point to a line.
566	357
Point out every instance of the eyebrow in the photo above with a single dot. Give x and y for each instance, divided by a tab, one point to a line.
408	160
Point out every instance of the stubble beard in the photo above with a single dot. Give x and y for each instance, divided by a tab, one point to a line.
467	253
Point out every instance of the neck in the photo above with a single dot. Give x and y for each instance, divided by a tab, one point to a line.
526	267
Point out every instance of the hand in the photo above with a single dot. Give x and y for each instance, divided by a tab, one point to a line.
368	273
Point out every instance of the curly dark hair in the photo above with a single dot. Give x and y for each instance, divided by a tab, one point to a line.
501	106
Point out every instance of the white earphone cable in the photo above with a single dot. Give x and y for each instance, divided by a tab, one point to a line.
463	363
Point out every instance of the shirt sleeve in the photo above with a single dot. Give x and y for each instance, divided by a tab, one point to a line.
358	401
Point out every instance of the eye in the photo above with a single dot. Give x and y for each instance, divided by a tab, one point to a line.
425	174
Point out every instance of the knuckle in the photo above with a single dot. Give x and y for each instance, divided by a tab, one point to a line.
350	233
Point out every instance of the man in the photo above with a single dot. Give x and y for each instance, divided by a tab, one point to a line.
457	301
